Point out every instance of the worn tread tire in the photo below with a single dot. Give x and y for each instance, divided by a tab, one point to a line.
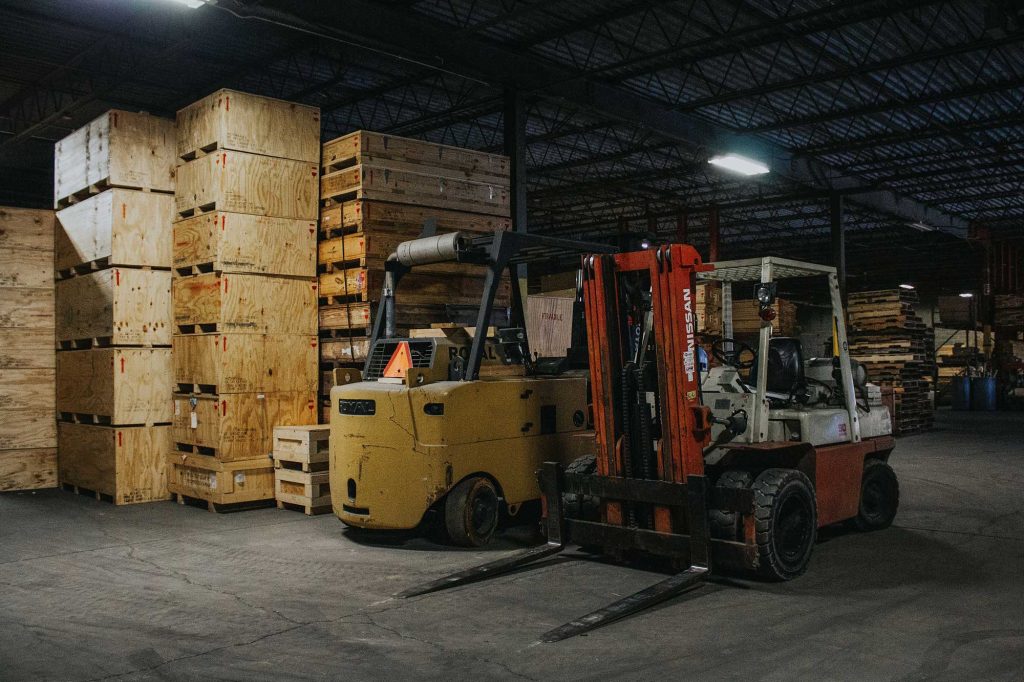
459	510
877	471
773	491
725	525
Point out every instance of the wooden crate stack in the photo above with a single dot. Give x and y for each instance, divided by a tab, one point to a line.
244	291
301	476
896	347
28	436
1009	311
376	192
113	184
746	318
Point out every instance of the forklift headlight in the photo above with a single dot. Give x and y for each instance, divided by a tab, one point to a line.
764	293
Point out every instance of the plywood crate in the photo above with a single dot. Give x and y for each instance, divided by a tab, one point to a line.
116	306
236	426
118	149
120	227
244	243
344	350
549	325
359	215
365	284
245	363
119	386
237	182
402	153
223	302
220	483
306	445
28	439
355	317
309	491
422	189
126	464
229	119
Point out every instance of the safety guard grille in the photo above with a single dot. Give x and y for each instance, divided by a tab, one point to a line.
422	353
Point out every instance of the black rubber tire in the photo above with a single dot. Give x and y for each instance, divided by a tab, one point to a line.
786	518
879	496
471	512
726	525
584	507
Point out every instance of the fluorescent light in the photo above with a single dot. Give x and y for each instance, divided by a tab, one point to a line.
923	227
967	294
907	286
191	4
739	164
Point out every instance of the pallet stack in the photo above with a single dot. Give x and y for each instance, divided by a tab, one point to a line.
244	292
746	318
1009	311
28	437
896	348
378	191
301	476
113	187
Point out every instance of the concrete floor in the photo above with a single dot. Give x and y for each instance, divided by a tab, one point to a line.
89	591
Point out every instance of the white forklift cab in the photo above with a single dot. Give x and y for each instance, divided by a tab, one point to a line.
781	397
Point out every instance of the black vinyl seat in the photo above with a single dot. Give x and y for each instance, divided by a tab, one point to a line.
785	367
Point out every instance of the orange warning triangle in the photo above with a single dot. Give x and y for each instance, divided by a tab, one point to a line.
400	362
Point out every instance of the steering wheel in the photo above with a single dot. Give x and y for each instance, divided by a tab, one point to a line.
733	357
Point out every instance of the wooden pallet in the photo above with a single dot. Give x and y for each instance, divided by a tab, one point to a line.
263	304
121	385
364	284
229	119
220	485
117	149
242	243
380	183
129	306
400	153
237	182
310	490
127	465
119	227
237	426
245	363
365	216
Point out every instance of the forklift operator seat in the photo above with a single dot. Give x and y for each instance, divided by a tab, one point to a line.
785	367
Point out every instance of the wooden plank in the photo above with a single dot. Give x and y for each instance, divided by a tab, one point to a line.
129	464
26	268
237	182
310	489
307	444
117	149
119	227
368	216
23	389
32	428
216	482
348	349
242	243
237	426
26	228
245	363
26	308
122	385
128	306
229	119
420	189
30	469
402	153
364	284
243	302
27	348
549	325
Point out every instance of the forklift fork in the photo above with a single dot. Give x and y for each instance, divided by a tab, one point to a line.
553	483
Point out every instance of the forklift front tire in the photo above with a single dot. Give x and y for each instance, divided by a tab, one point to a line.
786	519
471	512
879	496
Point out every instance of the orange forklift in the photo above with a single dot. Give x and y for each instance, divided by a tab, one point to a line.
732	469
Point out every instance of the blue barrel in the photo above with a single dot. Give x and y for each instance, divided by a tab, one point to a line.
961	388
983	394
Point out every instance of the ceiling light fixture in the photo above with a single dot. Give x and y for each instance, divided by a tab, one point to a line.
909	287
922	227
191	4
967	294
738	164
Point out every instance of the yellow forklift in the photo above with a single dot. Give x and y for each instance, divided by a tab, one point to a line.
456	422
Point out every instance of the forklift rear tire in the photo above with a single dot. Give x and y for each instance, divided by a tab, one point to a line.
786	518
879	496
726	525
471	512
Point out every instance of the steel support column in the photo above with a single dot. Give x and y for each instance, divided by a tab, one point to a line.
713	234
514	123
835	206
682	235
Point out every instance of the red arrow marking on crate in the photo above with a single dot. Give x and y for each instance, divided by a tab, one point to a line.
124	211
122	365
223	221
225	284
120	439
225	340
117	278
224	407
227	104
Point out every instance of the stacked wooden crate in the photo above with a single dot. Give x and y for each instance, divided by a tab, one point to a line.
896	347
301	476
112	256
746	318
378	191
709	309
1009	311
244	291
28	437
